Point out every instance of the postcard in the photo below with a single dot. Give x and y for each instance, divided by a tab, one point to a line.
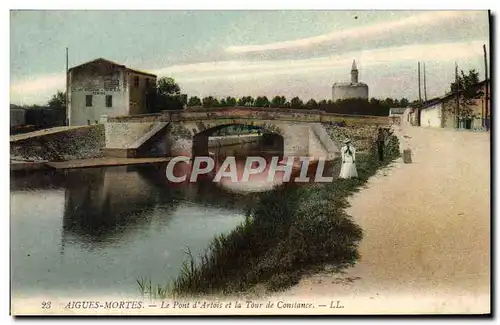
287	162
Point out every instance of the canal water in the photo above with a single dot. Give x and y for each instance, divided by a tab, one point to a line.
95	231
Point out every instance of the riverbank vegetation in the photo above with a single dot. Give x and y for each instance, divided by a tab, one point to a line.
290	232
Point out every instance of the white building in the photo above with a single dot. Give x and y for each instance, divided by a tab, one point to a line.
396	111
353	89
397	114
102	87
432	115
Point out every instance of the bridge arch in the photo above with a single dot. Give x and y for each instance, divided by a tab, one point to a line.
270	138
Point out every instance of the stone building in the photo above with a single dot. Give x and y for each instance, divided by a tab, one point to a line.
441	112
353	89
102	87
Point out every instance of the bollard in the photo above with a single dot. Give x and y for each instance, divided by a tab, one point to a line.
407	156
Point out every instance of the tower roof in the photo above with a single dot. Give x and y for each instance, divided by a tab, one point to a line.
354	67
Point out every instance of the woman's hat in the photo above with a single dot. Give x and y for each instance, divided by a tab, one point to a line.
347	140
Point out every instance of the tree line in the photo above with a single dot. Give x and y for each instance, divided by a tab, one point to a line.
373	106
168	94
283	102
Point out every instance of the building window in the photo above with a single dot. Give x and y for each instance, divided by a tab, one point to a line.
136	81
109	101
147	83
88	100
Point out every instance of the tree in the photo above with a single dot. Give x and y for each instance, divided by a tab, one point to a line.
261	102
57	109
311	104
58	101
465	81
278	101
389	102
415	103
360	106
230	101
246	101
296	103
467	90
210	101
404	102
323	105
168	95
194	101
168	86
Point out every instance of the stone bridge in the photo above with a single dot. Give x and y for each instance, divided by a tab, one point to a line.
186	132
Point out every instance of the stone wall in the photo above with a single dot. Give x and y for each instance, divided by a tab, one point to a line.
362	137
77	143
123	135
253	113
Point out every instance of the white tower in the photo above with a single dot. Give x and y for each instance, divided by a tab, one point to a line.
354	72
352	89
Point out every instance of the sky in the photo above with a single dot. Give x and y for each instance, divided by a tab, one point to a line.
256	53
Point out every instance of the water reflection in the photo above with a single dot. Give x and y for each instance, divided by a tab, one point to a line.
97	230
91	231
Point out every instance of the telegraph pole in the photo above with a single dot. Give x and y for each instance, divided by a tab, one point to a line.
425	86
486	108
68	114
457	99
419	96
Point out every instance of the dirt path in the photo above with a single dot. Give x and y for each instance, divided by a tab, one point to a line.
426	245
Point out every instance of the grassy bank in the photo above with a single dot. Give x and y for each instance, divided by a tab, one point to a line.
291	231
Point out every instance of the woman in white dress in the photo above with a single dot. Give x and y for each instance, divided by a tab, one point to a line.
348	169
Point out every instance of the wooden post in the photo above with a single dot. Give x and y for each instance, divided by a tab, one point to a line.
457	98
486	93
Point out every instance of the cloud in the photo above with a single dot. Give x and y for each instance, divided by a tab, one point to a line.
36	89
390	56
39	88
413	23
